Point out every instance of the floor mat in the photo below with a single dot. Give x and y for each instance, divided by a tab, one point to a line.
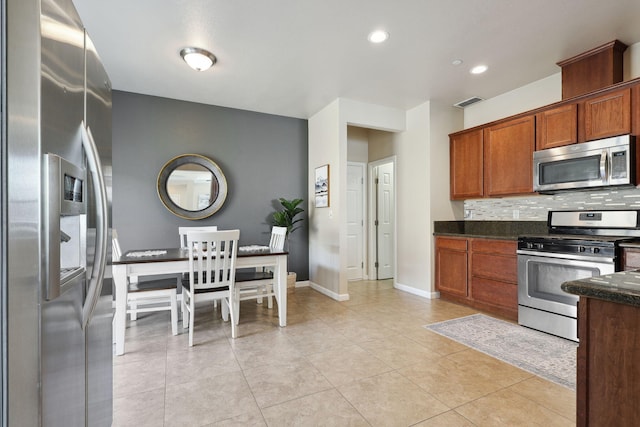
541	354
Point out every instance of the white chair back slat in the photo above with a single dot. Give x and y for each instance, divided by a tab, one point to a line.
214	264
115	250
182	232
212	256
278	237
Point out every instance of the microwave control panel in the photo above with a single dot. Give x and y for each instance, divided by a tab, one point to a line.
619	164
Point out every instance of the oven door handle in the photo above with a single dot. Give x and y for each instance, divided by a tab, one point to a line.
597	259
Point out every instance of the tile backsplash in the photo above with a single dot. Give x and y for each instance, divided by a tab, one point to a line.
535	208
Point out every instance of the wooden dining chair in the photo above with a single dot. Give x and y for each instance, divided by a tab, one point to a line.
212	267
258	284
149	295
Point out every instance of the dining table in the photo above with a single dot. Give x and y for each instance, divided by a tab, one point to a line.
166	261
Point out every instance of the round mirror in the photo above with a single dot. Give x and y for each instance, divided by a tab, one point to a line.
192	186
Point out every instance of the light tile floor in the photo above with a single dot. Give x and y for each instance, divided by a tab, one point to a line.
363	362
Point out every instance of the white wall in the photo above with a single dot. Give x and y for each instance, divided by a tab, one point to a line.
534	95
357	144
328	143
444	120
631	62
413	217
325	132
380	145
422	183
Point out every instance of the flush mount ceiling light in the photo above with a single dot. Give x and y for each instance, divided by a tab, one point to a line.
479	69
378	36
198	59
457	62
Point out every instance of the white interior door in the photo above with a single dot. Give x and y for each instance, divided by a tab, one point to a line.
386	221
355	220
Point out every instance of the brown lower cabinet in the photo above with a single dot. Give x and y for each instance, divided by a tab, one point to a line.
481	273
451	266
608	381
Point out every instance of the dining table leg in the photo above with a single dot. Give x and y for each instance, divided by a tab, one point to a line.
281	292
120	323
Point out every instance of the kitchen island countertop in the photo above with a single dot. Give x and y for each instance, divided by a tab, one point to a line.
622	287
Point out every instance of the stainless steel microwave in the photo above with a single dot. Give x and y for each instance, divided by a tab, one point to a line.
601	163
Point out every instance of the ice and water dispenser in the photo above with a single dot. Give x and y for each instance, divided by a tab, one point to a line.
65	224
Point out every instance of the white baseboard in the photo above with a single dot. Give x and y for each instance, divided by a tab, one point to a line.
415	291
345	297
327	292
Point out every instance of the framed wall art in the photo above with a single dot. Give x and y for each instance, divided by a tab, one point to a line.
322	186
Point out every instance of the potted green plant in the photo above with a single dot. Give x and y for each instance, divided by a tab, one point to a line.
287	217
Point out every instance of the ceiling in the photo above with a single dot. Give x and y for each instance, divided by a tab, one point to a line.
293	57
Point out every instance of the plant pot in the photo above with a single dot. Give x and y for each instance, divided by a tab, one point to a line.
291	280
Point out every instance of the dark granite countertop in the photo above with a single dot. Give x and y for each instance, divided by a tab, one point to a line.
507	230
622	287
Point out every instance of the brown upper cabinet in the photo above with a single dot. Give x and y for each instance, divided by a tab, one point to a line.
557	127
597	117
508	154
496	159
607	115
592	70
466	165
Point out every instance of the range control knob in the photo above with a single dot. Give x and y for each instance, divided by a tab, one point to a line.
539	246
595	250
581	249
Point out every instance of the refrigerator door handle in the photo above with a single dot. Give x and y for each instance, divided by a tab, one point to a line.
100	259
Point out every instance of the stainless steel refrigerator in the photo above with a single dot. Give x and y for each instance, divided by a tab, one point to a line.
55	303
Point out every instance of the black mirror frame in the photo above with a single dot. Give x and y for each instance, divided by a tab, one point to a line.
206	162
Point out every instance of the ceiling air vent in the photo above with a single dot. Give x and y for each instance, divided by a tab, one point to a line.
468	102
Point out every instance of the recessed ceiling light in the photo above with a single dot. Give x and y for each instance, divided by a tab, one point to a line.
479	69
198	59
457	62
378	36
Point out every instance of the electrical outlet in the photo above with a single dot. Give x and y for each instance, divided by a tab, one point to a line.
516	214
468	214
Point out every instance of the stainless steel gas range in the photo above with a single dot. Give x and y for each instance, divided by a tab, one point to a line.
580	244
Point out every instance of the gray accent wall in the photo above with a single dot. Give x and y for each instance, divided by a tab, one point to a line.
263	157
